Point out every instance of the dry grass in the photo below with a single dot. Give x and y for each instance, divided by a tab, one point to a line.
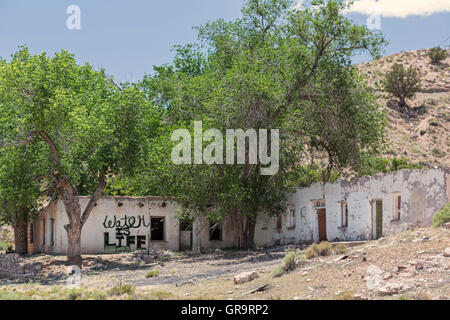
321	278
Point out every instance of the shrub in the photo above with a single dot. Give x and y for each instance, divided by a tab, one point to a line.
161	295
433	122
373	165
402	83
152	273
340	248
7	246
289	264
324	248
74	294
312	251
121	289
278	271
442	217
438	153
437	55
290	261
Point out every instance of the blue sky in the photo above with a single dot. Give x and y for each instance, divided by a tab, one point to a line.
129	37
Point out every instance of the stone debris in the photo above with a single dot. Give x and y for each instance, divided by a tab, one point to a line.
391	289
447	252
245	277
441	298
12	266
374	277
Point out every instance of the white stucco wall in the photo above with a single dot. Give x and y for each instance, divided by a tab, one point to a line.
107	216
423	192
201	235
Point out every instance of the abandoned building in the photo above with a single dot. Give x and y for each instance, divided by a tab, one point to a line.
361	209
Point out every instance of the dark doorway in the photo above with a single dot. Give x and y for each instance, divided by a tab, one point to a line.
322	221
379	218
215	231
186	227
157	232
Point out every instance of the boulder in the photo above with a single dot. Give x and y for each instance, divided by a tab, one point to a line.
245	277
373	277
390	289
447	252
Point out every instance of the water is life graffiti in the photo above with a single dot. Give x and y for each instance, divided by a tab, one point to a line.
124	238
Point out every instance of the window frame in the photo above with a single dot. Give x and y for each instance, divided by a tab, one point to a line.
291	217
52	232
397	201
163	229
211	231
344	214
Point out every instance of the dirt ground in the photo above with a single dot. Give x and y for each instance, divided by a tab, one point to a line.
411	265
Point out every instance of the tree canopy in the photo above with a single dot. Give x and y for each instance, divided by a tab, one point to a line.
91	127
274	68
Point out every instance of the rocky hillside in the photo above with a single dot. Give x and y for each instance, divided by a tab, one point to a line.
420	134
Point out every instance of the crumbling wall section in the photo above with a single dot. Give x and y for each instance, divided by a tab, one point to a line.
12	266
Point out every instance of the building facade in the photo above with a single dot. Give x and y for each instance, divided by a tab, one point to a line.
116	224
363	208
360	209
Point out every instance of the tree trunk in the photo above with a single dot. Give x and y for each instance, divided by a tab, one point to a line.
249	233
73	229
74	247
21	236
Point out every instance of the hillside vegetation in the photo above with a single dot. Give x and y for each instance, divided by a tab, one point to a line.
419	132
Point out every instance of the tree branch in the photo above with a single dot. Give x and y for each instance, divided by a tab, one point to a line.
97	194
27	140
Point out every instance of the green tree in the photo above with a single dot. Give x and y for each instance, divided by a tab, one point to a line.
275	68
23	184
93	129
402	83
437	54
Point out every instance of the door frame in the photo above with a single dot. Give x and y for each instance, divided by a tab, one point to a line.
373	203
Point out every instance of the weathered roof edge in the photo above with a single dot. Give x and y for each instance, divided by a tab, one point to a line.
378	176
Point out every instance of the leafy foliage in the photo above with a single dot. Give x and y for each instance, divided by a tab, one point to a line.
86	127
437	54
274	68
375	165
442	217
402	83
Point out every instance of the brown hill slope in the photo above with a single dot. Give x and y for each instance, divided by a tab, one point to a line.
422	133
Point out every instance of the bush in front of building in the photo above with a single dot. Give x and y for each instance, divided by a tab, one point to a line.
311	252
152	273
322	249
6	247
442	217
290	262
325	249
122	289
340	248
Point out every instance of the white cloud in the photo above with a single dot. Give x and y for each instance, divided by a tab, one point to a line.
399	8
395	8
